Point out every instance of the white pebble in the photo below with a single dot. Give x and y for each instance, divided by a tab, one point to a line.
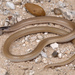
38	59
43	54
58	69
46	33
19	18
29	50
66	65
10	5
23	45
31	72
60	55
27	38
41	2
3	71
44	60
54	45
37	41
6	24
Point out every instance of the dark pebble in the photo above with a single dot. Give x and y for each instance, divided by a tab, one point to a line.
55	54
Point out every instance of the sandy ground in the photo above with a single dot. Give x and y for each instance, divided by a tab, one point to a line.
28	43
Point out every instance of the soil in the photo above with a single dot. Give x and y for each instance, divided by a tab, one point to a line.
28	43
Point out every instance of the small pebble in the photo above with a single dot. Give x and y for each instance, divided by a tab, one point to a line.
60	55
3	71
27	38
23	41
19	18
31	72
10	5
38	41
38	59
46	33
32	9
54	45
49	0
55	54
57	11
58	69
24	9
23	44
12	21
43	54
44	60
29	50
6	24
66	65
7	20
41	2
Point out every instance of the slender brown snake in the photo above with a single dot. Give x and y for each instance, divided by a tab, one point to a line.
65	38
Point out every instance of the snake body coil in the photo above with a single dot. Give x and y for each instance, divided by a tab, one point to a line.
67	36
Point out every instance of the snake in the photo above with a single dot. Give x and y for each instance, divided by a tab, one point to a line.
65	37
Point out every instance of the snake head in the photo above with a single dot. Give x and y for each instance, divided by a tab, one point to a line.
2	28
